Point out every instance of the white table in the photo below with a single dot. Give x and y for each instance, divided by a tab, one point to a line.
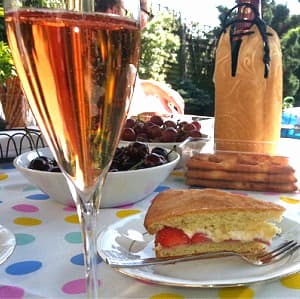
47	261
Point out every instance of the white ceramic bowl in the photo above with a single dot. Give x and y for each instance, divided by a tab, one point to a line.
121	188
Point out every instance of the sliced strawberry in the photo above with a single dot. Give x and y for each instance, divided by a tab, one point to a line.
200	238
262	241
169	237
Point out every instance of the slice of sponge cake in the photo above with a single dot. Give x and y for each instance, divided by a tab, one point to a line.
193	221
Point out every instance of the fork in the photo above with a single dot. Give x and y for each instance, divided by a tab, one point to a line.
121	260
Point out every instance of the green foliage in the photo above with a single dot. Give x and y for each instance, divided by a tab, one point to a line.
194	77
159	47
2	26
280	20
267	10
189	66
44	3
182	55
198	101
290	44
288	102
7	68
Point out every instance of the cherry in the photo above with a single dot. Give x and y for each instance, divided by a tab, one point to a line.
128	134
182	123
40	163
157	130
182	136
55	169
188	127
169	135
197	124
125	164
148	125
134	156
153	160
154	131
137	150
160	151
142	137
156	119
170	123
194	134
129	123
139	127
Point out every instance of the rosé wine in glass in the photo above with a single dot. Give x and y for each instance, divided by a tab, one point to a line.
77	63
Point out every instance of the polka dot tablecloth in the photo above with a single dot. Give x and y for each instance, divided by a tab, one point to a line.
48	260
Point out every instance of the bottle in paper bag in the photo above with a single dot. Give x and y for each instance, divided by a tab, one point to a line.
248	83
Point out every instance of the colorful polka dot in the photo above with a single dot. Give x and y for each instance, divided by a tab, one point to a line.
178	173
25	208
79	259
161	188
236	293
74	237
74	219
292	281
11	292
77	286
126	213
22	268
24	239
290	200
70	208
29	188
7	166
180	179
127	206
27	221
41	196
3	176
166	296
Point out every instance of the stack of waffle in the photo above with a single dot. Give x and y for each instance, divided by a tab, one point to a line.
245	171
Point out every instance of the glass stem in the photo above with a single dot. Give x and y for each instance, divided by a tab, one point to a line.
88	215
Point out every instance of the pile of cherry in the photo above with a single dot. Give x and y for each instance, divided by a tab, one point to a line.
156	129
138	155
134	156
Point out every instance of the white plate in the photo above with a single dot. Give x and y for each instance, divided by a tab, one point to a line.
7	243
220	272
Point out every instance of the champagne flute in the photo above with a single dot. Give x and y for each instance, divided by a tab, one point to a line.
77	61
